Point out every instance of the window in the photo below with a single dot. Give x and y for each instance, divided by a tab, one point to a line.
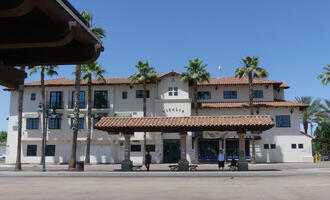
230	94
33	96
293	146
300	146
266	146
81	122
283	121
204	95
95	120
139	94
31	150
135	148
56	100
101	99
50	150
32	123
55	123
82	102
173	91
151	147
258	94
273	146
124	95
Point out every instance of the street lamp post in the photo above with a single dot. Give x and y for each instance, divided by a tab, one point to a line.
48	114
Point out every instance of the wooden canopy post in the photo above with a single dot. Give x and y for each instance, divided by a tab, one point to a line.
183	163
126	164
242	163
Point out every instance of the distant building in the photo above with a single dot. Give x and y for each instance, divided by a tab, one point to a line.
170	97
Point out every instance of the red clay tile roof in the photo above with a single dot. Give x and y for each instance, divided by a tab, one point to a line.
305	134
177	124
116	81
237	81
257	104
284	85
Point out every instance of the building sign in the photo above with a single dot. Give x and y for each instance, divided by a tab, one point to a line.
214	134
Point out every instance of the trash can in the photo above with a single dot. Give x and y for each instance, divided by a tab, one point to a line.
80	166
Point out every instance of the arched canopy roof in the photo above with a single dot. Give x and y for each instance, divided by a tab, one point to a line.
185	124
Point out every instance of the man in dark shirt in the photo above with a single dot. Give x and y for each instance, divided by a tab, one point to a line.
148	160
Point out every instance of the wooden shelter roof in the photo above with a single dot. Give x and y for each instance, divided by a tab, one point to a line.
39	32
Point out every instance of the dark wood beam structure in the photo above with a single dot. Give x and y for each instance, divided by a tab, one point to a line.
44	32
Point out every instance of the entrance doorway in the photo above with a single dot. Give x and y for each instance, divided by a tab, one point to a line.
208	151
171	151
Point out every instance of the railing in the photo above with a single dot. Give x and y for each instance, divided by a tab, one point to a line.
82	105
100	105
56	105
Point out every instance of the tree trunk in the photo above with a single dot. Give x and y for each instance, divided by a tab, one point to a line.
72	164
89	115
305	124
43	128
18	165
253	156
251	93
144	115
196	114
195	99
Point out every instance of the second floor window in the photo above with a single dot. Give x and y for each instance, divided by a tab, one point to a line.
33	96
82	102
230	94
124	95
258	94
139	94
55	123
173	91
81	122
204	95
32	123
56	100
101	99
283	121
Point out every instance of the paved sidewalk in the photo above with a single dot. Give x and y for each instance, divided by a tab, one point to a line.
161	170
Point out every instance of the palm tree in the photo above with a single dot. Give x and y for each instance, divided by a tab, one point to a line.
195	73
324	113
251	70
309	114
18	165
146	74
88	71
101	34
72	163
326	76
50	71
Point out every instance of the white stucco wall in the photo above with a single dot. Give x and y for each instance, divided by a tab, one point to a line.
109	148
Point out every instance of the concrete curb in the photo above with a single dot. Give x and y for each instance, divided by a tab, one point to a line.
159	174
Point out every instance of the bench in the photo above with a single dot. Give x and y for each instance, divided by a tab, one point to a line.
176	167
193	167
136	167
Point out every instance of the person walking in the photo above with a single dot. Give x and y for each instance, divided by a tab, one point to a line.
221	160
147	160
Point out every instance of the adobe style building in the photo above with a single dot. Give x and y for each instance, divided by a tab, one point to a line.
170	97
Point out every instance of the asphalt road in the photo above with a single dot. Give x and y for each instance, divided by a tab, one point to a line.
316	186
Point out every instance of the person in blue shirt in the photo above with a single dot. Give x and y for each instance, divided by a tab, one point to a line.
221	160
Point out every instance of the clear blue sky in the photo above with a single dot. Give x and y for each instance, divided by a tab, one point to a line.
292	38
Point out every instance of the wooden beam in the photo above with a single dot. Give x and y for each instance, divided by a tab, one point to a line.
15	8
14	35
11	77
71	54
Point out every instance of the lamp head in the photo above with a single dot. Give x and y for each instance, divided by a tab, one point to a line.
39	109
